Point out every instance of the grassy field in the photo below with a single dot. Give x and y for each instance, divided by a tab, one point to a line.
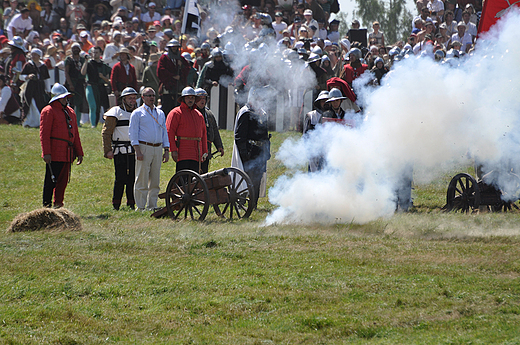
424	277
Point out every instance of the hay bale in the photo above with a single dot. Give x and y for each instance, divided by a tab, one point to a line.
46	219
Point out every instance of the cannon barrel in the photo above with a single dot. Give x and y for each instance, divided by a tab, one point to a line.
221	172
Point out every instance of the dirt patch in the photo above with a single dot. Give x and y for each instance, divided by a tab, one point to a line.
46	219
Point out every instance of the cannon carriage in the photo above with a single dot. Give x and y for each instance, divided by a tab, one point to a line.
189	195
465	193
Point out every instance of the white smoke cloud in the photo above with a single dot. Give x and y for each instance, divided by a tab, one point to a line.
425	115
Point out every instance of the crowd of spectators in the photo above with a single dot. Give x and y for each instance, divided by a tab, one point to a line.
97	48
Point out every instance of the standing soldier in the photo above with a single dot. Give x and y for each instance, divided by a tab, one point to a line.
313	119
172	71
211	126
252	146
187	133
116	144
60	145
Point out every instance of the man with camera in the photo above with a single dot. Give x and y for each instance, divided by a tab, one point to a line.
173	71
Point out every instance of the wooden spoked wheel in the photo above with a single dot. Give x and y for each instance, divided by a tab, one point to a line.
187	196
240	202
463	193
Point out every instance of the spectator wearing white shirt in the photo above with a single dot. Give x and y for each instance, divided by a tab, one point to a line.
309	21
451	25
436	6
333	34
470	27
151	16
279	26
112	49
20	25
425	14
322	31
10	12
463	37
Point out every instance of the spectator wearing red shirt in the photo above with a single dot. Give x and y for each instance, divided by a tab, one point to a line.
60	143
123	73
187	133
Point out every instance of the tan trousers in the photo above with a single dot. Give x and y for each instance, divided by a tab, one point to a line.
147	177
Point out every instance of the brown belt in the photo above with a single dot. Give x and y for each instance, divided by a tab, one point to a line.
149	144
188	138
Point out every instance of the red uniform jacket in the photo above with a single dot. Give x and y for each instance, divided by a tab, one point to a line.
189	123
352	73
167	69
119	79
54	133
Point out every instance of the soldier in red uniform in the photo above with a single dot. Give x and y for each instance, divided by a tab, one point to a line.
187	133
61	145
354	69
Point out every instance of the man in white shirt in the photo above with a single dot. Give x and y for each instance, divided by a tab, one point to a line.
309	21
148	136
279	26
20	25
470	27
463	37
425	14
109	56
436	6
151	16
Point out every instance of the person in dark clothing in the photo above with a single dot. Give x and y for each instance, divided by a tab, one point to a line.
75	80
379	70
16	60
252	145
172	71
213	134
203	58
98	73
321	75
214	70
34	72
326	65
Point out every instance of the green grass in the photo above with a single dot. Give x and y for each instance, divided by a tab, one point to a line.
424	277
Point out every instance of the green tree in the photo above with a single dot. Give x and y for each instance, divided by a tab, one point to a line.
394	17
343	26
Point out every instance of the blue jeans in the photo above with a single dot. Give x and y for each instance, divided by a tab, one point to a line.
93	104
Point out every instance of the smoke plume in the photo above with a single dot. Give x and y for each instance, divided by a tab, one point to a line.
426	115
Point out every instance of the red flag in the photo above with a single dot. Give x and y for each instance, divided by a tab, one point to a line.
493	10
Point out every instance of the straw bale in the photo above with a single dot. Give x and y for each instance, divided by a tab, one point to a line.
46	219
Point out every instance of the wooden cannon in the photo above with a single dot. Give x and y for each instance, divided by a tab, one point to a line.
189	195
465	193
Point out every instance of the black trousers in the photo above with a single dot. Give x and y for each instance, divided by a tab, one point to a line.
125	176
187	164
255	170
168	102
60	170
